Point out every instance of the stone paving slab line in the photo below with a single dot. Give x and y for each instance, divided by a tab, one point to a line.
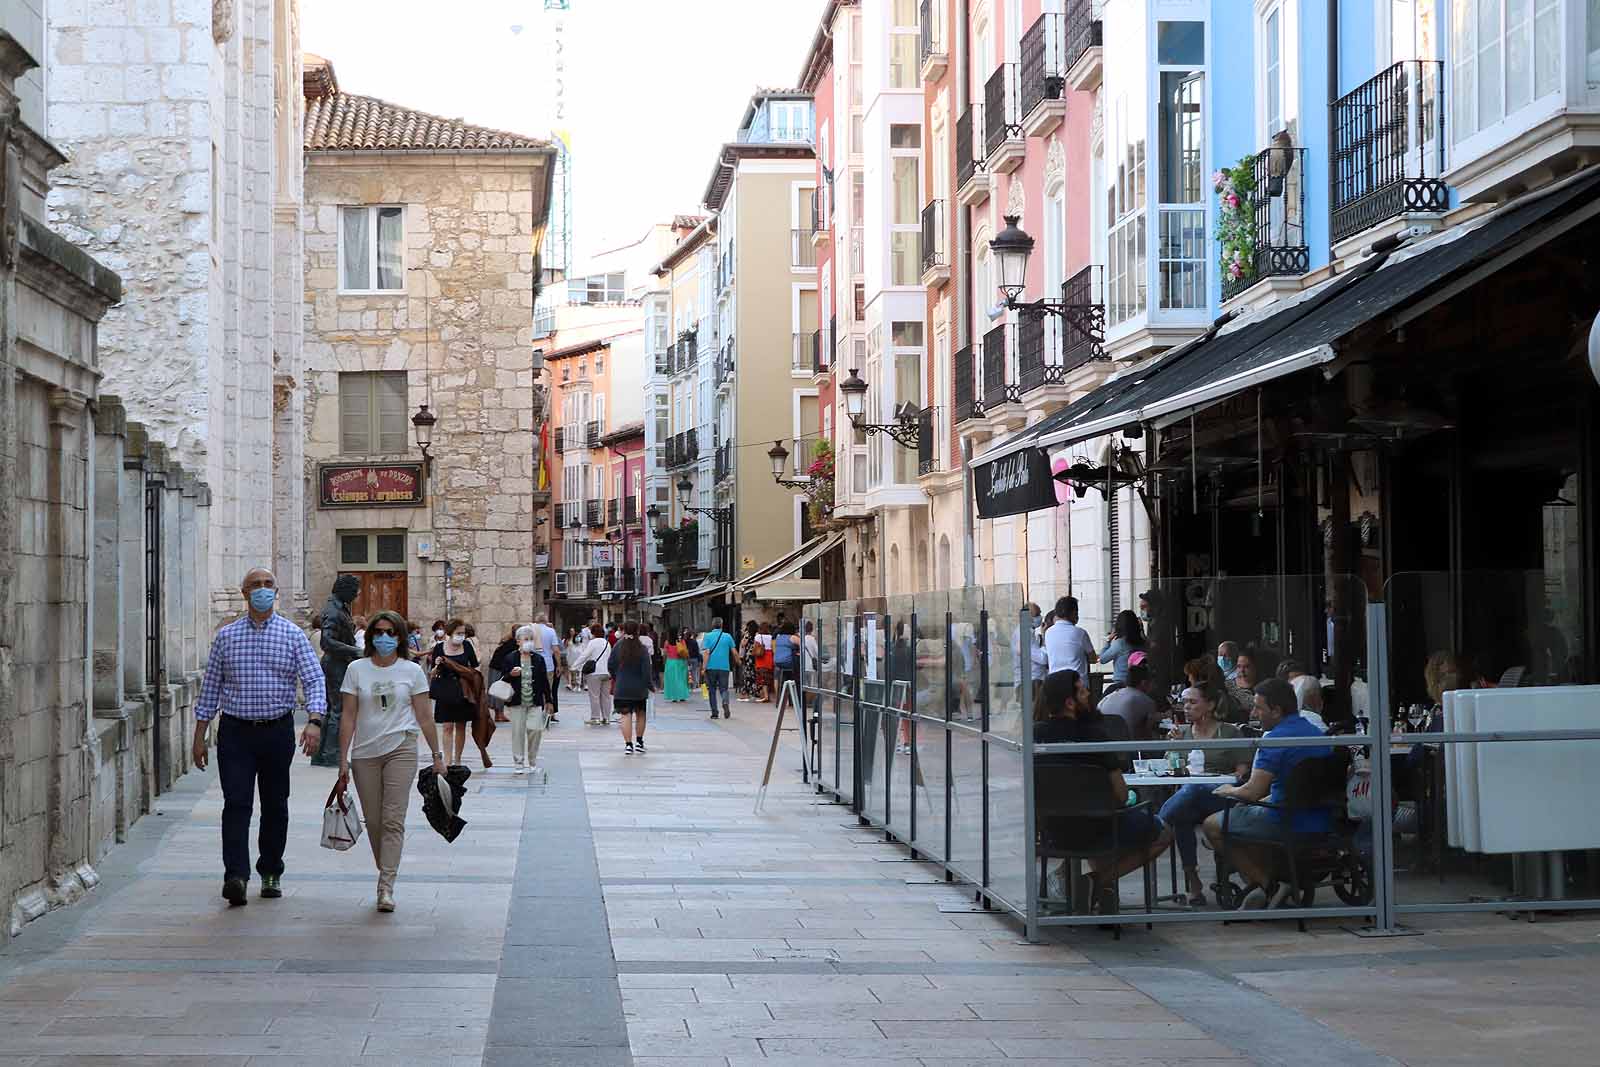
557	1004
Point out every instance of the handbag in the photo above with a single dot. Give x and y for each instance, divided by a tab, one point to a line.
341	826
588	668
1358	790
501	690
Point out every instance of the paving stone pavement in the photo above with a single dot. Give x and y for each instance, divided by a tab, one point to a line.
636	910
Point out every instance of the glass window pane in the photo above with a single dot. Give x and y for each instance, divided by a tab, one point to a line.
906	193
1182	141
903	72
355	272
1181	43
905	136
391	267
392	548
393	419
353	549
1547	47
355	413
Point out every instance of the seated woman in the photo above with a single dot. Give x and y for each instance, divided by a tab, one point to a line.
1205	674
1188	807
1064	714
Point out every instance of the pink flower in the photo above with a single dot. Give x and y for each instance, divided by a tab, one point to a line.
1232	199
1217	177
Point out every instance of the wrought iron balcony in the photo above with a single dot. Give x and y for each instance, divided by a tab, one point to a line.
802	252
689	348
591	512
1276	212
933	46
592	434
1081	33
1389	147
722	465
926	463
561	438
612	511
725	362
803	352
1083	319
833	341
969	134
1042	69
968	404
933	237
998	386
630	511
1001	121
1037	364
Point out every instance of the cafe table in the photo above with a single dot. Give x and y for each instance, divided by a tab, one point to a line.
1176	781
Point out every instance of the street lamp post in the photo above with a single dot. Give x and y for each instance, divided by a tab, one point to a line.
906	429
423	421
1011	248
779	457
721	517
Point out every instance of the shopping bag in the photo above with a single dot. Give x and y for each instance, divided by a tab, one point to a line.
341	826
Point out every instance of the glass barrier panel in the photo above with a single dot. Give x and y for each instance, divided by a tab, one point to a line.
900	665
1008	865
931	693
966	667
1493	824
873	726
1008	642
966	803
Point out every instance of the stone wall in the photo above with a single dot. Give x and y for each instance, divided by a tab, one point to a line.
181	118
469	237
73	734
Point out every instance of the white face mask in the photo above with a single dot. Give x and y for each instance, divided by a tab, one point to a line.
456	639
438	635
529	646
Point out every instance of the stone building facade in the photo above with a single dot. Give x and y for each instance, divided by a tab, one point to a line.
422	266
181	119
99	531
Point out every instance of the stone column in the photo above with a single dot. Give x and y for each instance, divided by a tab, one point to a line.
202	600
110	432
172	574
66	526
130	500
190	583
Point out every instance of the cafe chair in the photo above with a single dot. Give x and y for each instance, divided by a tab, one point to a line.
1306	861
1076	821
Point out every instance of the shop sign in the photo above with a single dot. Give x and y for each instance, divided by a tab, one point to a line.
1014	484
359	485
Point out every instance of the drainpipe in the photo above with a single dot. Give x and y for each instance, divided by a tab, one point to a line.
1333	98
960	278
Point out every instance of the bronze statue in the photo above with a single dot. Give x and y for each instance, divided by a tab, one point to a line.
339	651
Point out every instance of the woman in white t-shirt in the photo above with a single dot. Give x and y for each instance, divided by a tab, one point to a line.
598	680
385	706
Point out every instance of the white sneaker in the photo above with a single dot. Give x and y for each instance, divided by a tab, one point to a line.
519	769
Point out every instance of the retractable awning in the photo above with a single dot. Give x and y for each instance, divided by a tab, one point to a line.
762	583
683	596
1303	333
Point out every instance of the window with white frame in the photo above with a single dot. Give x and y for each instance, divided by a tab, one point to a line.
1504	55
789	120
905	339
874	406
372	249
1055	265
904	67
1271	72
1126	255
597	289
905	220
1180	165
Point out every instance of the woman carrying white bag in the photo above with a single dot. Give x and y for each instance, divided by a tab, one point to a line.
386	705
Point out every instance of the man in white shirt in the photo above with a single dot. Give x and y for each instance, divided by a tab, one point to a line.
1066	646
550	649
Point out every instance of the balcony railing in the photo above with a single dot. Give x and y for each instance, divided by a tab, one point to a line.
682	449
1389	147
592	434
571	513
998	385
833	339
926	464
1042	70
1037	364
1082	30
722	465
933	227
1277	213
1083	322
591	512
932	32
967	402
630	511
561	438
804	352
802	253
1000	108
613	511
623	580
822	351
725	362
969	134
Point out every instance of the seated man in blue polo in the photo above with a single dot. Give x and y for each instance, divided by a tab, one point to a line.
1278	710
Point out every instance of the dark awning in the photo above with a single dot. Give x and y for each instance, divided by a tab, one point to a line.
1302	334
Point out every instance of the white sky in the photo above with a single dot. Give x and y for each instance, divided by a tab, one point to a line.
652	87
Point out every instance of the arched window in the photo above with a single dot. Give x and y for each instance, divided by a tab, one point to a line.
895	584
944	562
922	567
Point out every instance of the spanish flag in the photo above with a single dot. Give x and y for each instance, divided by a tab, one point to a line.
542	479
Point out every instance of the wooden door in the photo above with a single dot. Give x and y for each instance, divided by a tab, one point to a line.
381	591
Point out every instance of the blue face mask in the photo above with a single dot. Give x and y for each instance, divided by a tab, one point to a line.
263	599
1225	663
385	644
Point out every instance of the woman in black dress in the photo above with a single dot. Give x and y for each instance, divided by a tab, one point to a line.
455	706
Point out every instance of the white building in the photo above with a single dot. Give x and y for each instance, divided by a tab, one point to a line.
182	122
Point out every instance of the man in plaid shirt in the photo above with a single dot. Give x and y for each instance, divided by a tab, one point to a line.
251	674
